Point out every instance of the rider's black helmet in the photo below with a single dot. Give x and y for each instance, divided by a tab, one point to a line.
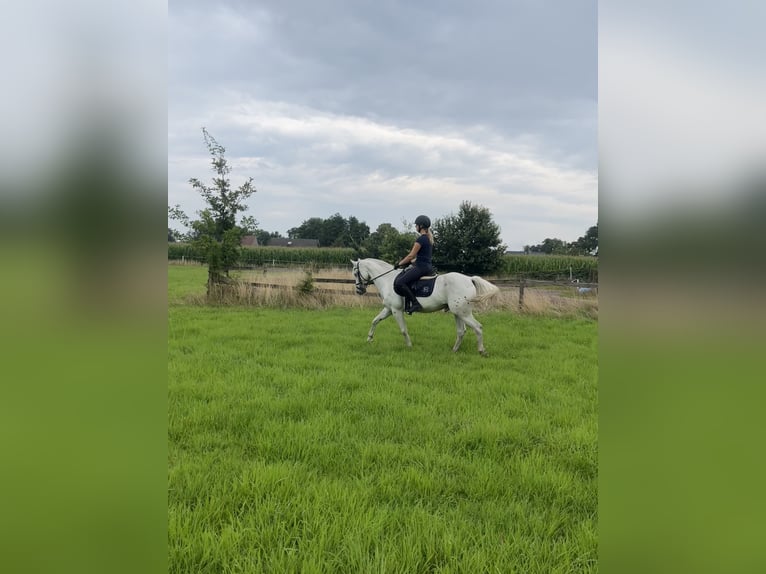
422	221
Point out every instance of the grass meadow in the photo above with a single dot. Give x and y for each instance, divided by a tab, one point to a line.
296	446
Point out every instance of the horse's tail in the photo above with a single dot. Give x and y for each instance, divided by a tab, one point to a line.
484	289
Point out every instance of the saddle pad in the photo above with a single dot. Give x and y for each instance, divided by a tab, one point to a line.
424	286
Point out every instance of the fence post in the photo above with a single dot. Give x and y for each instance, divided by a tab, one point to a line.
521	294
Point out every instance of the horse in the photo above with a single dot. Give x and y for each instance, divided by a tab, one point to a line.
451	291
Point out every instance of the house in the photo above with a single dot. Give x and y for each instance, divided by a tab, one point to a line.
282	242
249	241
510	252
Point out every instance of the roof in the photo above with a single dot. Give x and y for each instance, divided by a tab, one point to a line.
282	242
249	241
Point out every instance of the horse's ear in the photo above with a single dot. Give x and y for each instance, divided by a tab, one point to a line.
352	261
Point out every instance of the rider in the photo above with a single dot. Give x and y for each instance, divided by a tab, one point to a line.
421	254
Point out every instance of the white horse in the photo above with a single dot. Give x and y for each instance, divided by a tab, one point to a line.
453	291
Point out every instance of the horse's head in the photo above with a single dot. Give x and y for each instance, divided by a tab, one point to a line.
359	282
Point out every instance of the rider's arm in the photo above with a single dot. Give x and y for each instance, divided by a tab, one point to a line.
411	255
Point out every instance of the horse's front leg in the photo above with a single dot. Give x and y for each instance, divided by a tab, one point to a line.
386	312
399	316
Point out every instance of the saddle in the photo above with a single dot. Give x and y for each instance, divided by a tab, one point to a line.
424	286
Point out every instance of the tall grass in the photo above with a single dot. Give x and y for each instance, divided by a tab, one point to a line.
529	266
188	287
295	446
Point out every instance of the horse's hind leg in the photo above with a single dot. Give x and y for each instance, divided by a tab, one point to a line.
477	328
460	326
464	316
386	312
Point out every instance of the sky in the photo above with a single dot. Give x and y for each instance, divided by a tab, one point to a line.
388	110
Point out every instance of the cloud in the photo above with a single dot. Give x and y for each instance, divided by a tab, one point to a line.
387	110
357	164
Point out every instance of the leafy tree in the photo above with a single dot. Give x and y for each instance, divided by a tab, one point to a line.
387	243
249	225
176	214
216	233
335	231
309	229
358	231
265	236
550	246
586	244
468	242
371	247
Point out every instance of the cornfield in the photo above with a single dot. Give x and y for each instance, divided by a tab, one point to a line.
549	267
282	256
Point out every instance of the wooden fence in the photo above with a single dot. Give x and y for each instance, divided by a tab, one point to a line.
503	284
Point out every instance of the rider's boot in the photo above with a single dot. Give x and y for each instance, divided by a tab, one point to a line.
411	304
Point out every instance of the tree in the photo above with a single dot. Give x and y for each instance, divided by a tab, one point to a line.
587	244
549	246
175	213
216	234
387	243
309	229
358	231
265	236
249	225
335	231
468	242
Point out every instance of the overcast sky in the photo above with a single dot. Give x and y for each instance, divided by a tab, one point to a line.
388	109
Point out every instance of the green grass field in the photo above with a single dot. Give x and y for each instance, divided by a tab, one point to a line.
296	446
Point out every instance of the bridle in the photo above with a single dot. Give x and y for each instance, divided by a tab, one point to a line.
361	284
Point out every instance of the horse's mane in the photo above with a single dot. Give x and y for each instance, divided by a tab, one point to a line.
376	266
379	262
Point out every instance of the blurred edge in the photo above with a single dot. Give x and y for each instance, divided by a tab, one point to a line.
82	173
82	181
682	200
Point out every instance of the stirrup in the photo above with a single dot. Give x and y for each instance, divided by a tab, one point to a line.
412	309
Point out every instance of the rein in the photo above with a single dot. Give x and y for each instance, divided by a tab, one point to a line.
370	281
361	284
